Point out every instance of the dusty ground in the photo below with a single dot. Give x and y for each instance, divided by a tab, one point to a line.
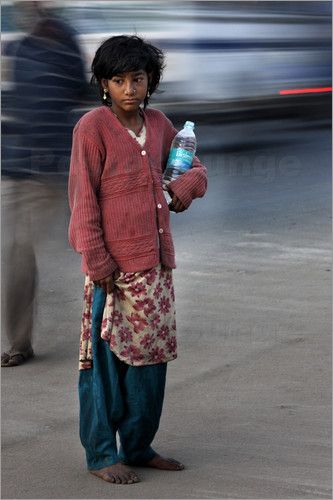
248	402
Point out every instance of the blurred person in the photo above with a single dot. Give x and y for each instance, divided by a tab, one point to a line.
48	77
120	224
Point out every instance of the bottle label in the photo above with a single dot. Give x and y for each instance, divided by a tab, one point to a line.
180	158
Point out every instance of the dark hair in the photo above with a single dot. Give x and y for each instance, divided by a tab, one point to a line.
121	54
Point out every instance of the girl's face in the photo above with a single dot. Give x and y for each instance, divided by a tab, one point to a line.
127	90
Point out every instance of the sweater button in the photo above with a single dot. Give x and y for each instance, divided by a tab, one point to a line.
143	152
159	205
160	230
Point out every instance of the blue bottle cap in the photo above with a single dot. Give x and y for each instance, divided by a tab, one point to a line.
189	124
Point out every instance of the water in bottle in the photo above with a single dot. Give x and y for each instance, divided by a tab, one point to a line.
181	153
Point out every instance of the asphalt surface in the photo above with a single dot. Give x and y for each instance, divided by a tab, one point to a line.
248	401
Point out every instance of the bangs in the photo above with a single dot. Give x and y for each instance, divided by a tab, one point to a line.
126	63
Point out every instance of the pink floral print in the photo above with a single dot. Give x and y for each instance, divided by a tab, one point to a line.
117	318
155	320
113	341
85	337
164	305
150	276
146	305
168	282
132	353
137	322
156	355
158	290
137	289
171	344
138	319
147	341
125	334
86	334
163	332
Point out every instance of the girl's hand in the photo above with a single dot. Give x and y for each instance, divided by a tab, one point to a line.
107	283
176	205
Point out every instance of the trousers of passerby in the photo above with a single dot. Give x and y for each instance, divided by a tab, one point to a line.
29	209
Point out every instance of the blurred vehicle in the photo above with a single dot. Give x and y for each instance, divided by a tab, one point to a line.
220	55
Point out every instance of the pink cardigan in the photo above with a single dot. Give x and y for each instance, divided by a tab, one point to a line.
119	216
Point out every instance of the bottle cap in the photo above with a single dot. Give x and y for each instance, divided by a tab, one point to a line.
189	125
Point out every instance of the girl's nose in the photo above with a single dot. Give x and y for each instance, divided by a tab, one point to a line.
130	89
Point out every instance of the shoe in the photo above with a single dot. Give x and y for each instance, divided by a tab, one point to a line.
16	358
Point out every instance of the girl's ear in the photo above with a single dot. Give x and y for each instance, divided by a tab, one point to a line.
104	83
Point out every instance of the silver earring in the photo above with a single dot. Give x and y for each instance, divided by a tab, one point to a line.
148	94
104	95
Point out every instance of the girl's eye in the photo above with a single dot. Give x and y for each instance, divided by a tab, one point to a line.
117	81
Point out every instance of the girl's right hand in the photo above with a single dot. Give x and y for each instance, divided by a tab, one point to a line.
176	205
107	283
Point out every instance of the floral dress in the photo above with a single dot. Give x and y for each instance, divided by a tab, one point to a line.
138	319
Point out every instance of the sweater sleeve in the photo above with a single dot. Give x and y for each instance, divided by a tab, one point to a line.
85	227
193	183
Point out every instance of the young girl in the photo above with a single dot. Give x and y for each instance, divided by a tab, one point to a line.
120	225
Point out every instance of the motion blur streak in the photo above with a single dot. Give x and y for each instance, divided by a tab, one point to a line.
305	91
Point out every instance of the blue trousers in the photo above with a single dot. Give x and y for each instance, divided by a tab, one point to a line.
116	397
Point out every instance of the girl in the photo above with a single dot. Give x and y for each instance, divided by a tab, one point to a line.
120	225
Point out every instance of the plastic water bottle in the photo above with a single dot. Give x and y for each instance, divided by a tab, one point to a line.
181	155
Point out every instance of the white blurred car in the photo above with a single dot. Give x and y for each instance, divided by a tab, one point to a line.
216	51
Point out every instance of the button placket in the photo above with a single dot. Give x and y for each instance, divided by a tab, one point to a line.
159	205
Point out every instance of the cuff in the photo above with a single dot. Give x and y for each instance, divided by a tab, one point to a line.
98	272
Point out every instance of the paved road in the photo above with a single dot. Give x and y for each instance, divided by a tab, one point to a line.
248	402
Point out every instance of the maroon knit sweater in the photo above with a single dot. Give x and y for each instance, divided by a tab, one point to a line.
119	216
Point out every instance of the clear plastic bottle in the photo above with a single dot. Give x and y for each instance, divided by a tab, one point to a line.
181	155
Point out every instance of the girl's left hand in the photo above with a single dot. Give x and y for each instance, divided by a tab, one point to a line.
176	205
108	283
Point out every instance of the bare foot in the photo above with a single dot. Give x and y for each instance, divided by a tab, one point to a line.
117	473
161	463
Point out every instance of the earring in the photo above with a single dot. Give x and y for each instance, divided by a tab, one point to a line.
148	94
104	95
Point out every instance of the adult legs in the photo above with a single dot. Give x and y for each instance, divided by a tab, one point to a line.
31	211
19	266
19	297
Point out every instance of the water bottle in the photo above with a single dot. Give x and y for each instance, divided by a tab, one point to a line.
181	155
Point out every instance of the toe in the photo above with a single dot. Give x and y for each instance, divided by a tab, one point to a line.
108	477
177	464
135	478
